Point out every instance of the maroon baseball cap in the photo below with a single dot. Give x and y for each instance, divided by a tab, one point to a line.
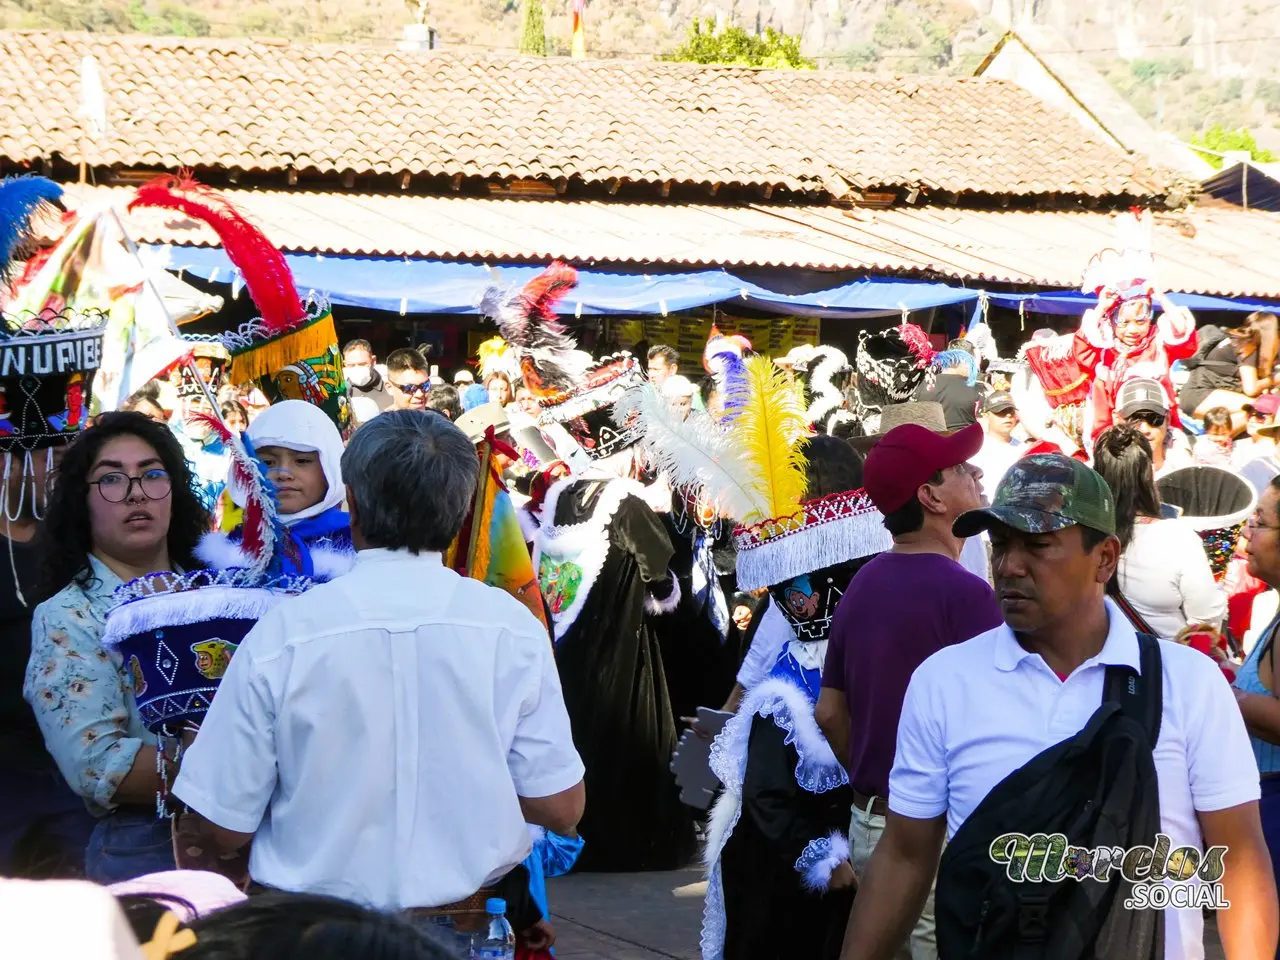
908	456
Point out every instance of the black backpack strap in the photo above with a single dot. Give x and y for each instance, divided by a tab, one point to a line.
1140	696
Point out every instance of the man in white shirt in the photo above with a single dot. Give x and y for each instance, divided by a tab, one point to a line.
999	446
387	736
977	711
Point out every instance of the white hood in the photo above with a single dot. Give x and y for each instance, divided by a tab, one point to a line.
305	428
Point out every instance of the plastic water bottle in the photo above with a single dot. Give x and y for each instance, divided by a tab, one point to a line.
499	943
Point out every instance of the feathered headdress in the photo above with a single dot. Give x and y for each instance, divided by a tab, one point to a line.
827	368
1127	268
496	357
21	200
549	358
291	350
570	387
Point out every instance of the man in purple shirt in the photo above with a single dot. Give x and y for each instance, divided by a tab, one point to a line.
899	609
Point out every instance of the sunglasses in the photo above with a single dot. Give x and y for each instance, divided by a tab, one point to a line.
1152	419
410	389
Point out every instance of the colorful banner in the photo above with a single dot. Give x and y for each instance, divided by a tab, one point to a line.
91	269
491	547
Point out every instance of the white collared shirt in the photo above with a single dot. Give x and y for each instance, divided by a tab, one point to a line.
376	733
976	711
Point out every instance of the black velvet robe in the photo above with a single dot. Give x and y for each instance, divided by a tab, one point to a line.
615	689
700	664
768	913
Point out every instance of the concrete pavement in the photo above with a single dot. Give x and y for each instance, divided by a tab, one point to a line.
651	916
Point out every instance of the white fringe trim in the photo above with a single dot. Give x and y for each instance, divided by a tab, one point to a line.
819	860
720	826
668	604
813	548
185	607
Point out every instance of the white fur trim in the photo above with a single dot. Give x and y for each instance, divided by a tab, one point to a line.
329	562
668	604
184	607
817	771
217	551
720	826
826	398
812	548
819	860
587	542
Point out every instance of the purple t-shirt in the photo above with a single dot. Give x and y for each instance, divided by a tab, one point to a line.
899	610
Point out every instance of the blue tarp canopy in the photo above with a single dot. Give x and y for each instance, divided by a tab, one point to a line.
1075	302
432	286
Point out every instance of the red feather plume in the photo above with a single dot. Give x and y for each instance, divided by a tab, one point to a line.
543	292
266	273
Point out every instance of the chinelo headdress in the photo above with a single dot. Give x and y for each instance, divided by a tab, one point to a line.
753	465
1125	270
47	358
571	389
211	359
291	351
825	376
891	364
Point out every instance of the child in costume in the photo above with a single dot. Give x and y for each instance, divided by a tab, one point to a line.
779	881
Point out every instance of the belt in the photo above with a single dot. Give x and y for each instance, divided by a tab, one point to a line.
876	806
467	905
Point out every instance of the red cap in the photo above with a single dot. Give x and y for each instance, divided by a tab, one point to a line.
908	456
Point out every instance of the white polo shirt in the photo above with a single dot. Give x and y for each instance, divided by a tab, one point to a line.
376	733
976	711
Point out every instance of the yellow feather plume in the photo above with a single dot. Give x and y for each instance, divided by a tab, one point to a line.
769	427
495	357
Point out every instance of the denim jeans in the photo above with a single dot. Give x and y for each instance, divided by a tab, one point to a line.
128	844
864	833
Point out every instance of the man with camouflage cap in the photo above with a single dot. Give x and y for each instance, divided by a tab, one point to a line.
977	711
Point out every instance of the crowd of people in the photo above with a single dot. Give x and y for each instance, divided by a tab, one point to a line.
312	655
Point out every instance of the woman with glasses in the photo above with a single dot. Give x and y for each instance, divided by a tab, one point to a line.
1164	573
1257	690
123	505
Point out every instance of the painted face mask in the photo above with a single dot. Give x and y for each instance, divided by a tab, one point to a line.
809	600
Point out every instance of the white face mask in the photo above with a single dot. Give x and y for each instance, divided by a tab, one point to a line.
358	376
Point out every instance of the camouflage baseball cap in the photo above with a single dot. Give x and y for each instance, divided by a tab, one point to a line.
1043	493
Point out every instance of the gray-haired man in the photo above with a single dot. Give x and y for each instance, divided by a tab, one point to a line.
385	736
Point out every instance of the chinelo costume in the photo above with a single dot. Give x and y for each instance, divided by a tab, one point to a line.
601	556
47	361
210	459
778	831
291	353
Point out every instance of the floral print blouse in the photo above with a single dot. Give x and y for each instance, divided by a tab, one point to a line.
81	696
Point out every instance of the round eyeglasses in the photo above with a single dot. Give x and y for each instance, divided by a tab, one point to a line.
117	487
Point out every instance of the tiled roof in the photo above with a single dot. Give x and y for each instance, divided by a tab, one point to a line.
272	106
1197	251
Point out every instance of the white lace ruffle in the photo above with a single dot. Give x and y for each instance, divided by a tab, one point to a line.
817	771
820	858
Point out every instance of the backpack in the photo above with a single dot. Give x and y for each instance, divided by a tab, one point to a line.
1099	789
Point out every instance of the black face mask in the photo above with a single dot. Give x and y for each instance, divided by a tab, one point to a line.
809	600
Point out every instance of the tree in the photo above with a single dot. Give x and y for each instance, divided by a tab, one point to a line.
533	31
1221	140
736	47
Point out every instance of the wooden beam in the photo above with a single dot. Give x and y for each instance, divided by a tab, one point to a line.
348	178
614	184
405	178
233	175
713	189
292	177
456	183
767	191
562	186
666	188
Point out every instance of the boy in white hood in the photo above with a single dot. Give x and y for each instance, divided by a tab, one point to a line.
302	450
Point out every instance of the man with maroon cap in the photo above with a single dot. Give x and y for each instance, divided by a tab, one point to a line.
900	609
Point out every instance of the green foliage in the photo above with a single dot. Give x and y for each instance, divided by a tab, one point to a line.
929	39
1221	140
735	46
1269	93
861	56
533	30
1148	71
168	20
